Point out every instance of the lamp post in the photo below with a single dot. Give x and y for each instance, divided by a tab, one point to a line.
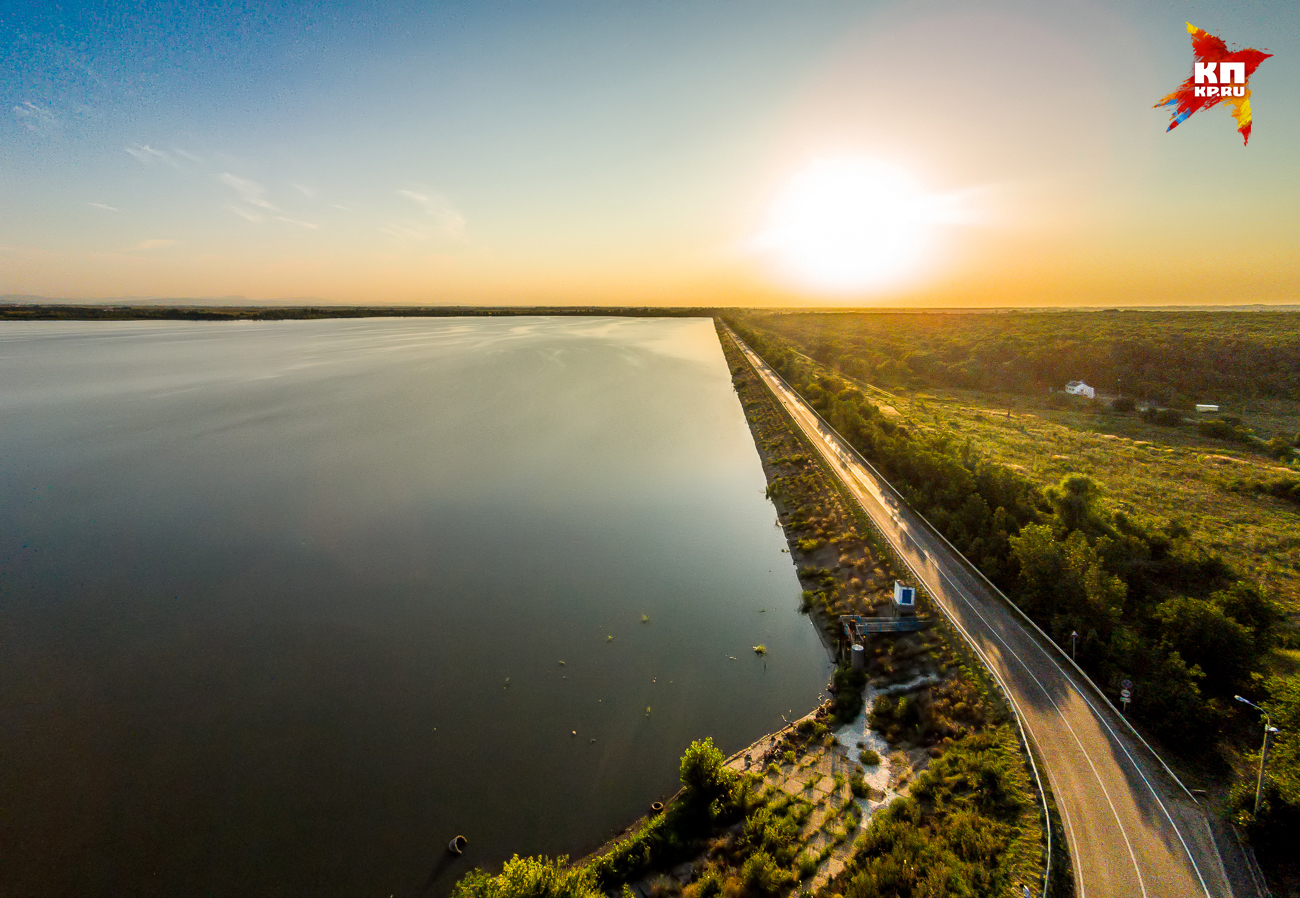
1074	641
1269	731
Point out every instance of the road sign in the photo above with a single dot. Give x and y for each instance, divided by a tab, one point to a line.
1126	685
1125	695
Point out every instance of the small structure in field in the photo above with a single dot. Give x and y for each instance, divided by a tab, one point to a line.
904	599
1206	408
1079	388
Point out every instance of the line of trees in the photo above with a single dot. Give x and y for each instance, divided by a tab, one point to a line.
1173	358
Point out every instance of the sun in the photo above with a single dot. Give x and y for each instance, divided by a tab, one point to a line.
850	225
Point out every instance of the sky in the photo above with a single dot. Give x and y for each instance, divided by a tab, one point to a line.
660	152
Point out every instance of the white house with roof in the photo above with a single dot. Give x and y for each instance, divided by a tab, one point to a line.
1079	388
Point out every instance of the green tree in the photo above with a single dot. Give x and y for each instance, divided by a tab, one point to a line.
530	877
705	774
1075	503
1208	638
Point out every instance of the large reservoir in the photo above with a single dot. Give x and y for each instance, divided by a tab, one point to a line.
284	606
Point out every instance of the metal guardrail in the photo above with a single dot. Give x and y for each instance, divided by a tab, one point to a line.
882	624
1024	738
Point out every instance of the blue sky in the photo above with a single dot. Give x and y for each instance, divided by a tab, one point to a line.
629	152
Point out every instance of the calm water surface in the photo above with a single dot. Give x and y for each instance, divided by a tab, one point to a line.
283	605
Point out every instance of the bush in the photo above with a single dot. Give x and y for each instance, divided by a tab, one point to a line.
1224	430
1123	404
807	865
870	758
532	877
762	876
705	775
1168	417
848	685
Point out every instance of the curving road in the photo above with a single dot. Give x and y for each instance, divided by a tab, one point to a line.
1133	830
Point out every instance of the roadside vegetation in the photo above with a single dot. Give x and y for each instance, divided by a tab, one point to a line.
951	713
1166	541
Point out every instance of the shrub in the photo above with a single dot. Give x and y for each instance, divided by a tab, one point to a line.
762	876
807	865
532	877
705	775
848	685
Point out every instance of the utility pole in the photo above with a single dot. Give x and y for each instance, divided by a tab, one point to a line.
1269	732
1074	641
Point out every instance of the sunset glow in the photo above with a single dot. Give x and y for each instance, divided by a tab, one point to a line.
473	153
850	225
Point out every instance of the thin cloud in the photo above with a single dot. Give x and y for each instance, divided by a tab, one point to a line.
35	118
246	214
190	157
156	243
148	155
251	194
306	191
294	221
105	206
448	218
406	233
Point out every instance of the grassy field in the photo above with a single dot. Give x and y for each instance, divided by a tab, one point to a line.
1168	473
1142	468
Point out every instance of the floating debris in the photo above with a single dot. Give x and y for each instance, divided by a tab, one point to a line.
647	710
645	618
561	664
609	638
760	649
574	733
507	685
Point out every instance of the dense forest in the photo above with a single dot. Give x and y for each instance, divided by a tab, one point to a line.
1172	358
1149	603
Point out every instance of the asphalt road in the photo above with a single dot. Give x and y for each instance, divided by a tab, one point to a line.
1132	829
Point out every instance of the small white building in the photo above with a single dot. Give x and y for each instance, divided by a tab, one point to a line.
1079	388
904	598
1206	408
